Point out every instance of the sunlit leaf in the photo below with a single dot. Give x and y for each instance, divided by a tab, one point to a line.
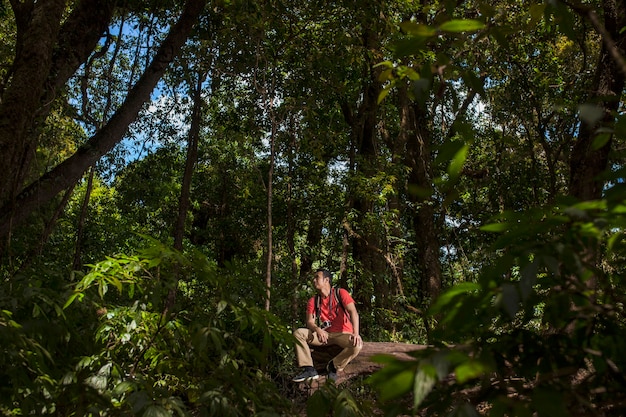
72	298
424	383
221	306
123	387
462	25
384	92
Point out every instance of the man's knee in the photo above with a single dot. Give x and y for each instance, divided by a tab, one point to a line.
354	350
301	334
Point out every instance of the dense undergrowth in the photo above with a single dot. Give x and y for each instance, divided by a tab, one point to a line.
540	333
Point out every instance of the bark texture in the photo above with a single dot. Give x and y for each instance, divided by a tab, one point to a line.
420	193
47	55
363	364
587	162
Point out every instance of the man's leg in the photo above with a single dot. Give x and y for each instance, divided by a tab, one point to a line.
349	351
304	339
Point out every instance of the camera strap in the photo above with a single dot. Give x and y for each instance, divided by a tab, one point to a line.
335	296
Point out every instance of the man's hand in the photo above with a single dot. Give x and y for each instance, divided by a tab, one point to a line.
322	335
356	340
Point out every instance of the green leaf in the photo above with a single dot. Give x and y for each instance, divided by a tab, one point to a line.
495	227
462	25
411	45
444	299
456	165
470	370
424	383
398	385
384	92
318	405
156	411
123	387
417	29
116	283
221	306
536	12
73	297
600	140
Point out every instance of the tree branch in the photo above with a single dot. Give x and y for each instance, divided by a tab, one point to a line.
72	169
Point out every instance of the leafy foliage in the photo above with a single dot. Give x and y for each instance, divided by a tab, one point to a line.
143	362
541	330
530	321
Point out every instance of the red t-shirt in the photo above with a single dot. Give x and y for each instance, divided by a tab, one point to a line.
339	318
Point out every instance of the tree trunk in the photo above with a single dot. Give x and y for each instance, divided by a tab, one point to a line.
185	191
586	162
366	241
363	364
80	227
73	168
47	55
190	163
38	28
420	194
270	195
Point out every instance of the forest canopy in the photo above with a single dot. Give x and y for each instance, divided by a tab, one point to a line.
175	172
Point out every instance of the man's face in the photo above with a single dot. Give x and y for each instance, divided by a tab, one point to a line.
318	280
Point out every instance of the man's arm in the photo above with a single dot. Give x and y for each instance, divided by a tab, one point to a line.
354	318
310	322
322	335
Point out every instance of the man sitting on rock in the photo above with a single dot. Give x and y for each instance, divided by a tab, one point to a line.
331	319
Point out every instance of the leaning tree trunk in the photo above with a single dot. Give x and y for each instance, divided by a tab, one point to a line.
15	210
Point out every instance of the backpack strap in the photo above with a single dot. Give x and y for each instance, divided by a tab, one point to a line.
318	302
334	295
338	299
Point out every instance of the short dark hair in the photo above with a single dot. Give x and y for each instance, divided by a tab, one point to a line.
325	273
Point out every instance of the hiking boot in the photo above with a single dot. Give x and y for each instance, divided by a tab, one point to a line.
332	371
308	374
